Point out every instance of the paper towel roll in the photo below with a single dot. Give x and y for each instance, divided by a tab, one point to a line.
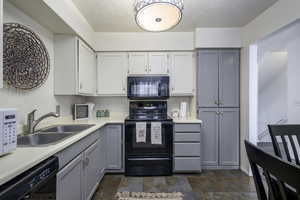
183	109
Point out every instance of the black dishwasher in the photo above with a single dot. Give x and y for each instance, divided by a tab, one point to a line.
37	183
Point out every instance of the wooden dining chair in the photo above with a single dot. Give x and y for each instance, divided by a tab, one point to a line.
282	178
290	141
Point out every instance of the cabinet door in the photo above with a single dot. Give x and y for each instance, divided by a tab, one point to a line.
209	132
70	181
86	69
229	74
138	63
114	156
182	74
229	136
91	169
208	80
111	73
158	63
102	155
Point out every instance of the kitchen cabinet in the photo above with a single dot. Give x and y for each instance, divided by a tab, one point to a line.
86	69
187	148
114	147
182	74
143	63
70	184
79	179
1	44
74	67
220	136
111	73
218	78
102	154
91	169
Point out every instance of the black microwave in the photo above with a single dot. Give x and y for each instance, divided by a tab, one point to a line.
148	87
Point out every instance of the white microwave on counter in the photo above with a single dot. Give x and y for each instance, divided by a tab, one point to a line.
8	130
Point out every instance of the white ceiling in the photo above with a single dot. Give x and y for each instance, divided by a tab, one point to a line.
118	15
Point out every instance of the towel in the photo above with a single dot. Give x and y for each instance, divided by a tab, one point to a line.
156	133
141	132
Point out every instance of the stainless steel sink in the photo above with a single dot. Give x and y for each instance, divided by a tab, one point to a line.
67	128
42	139
51	135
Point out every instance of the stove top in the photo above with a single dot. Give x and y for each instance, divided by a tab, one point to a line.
149	118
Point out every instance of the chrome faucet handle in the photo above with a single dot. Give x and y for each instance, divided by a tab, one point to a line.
31	114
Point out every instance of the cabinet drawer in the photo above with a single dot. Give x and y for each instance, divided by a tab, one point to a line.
187	164
187	127
187	149
187	137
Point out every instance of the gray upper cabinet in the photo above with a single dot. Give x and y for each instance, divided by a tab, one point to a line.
210	137
208	80
229	73
70	184
114	151
218	78
229	136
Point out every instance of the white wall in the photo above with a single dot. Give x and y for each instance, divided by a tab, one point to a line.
41	98
279	15
218	38
273	90
293	49
70	14
144	41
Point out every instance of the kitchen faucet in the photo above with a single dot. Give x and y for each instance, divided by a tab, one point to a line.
32	123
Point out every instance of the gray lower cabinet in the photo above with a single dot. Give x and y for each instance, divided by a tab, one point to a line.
70	184
114	147
220	137
82	166
187	148
102	156
91	169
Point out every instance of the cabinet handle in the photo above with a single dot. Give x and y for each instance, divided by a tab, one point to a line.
216	102
87	161
149	68
146	69
80	86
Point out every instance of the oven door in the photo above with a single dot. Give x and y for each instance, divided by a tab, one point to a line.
141	149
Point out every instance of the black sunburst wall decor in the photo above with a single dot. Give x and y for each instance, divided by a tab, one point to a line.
26	62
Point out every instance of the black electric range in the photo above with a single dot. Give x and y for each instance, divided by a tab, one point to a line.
147	158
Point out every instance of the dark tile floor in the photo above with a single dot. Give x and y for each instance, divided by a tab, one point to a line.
209	185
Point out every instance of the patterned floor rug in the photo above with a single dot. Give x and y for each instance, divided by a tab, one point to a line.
149	196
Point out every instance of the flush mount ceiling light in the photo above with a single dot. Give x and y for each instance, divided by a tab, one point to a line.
158	15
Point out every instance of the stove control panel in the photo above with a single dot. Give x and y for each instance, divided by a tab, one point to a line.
8	131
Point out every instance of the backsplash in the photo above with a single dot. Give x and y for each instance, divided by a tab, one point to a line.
120	105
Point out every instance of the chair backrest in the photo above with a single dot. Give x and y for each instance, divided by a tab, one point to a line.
290	139
282	178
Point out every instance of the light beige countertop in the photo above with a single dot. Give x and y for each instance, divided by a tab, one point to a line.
189	120
24	158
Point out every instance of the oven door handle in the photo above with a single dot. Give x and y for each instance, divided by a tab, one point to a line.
132	159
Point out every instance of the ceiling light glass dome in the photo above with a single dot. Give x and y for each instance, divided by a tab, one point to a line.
158	15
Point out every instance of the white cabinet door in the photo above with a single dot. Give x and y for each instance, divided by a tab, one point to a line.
86	69
69	181
111	73
182	73
158	63
138	63
91	169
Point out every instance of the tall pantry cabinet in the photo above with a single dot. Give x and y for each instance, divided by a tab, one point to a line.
218	107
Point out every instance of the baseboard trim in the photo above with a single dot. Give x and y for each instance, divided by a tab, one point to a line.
220	167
